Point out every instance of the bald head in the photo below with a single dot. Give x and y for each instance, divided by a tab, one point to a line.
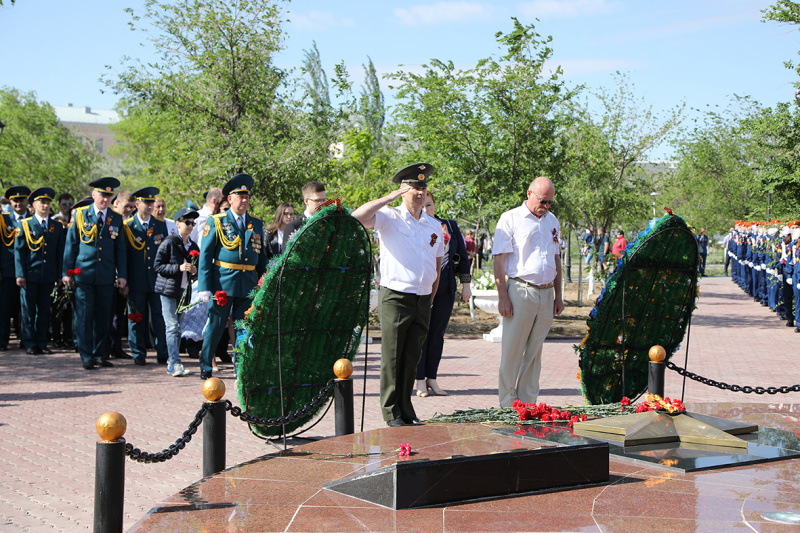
540	196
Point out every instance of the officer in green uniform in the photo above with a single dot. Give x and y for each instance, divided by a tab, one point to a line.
9	292
232	259
38	254
143	235
95	245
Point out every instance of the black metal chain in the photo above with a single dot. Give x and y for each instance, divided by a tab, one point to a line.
143	457
733	388
316	401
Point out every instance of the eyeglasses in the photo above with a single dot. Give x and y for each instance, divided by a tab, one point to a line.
288	214
545	203
317	200
67	203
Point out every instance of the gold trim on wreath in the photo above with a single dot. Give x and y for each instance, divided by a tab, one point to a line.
29	239
86	237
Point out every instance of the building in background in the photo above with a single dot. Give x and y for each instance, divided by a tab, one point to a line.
91	124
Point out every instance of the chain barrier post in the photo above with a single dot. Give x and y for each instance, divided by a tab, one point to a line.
214	430
655	371
109	474
344	418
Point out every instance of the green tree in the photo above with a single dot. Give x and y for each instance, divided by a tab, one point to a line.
602	182
488	130
37	150
720	169
224	106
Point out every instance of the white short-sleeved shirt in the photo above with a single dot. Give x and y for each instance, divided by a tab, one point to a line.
531	242
409	248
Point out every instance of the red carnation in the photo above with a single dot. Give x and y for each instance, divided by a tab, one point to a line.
221	297
194	253
71	272
405	450
625	401
135	317
78	271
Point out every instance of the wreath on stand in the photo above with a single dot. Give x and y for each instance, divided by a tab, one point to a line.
648	300
308	311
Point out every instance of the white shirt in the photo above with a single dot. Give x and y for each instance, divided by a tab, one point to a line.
531	242
143	221
409	248
96	211
42	221
172	228
199	222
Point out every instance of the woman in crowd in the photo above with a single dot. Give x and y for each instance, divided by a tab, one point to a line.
283	215
455	261
176	267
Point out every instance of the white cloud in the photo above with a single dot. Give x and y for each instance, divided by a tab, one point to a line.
318	20
588	66
444	13
543	9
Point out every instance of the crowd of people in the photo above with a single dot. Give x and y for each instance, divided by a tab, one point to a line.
82	275
764	260
90	272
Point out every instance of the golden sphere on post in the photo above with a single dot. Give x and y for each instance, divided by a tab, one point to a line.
213	389
657	354
343	368
111	426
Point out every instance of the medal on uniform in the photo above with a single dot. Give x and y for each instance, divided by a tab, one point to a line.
206	229
434	237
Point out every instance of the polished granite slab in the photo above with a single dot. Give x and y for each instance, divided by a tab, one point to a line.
752	444
284	491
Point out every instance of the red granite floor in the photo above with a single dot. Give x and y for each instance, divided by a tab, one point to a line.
284	492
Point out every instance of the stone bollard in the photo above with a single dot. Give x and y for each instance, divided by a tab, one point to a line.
655	371
343	398
109	474
214	429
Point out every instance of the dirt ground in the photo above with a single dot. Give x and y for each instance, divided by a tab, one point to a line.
571	323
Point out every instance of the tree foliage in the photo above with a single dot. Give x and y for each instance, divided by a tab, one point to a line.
489	130
37	150
601	182
221	105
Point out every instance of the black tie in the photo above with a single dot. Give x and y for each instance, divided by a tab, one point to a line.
100	219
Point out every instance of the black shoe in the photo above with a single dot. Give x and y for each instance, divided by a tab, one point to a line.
205	375
45	350
139	361
32	351
120	355
797	330
88	366
161	361
413	422
396	423
225	358
789	324
103	362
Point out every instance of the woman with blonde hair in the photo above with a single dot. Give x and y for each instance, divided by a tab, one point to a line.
283	215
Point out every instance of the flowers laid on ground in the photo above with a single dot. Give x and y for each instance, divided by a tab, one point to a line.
484	282
654	402
405	450
545	413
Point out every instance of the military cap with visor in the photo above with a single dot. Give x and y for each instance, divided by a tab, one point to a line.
105	186
239	184
42	193
146	194
83	203
18	192
415	175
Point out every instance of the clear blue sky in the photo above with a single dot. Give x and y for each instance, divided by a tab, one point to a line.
697	52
